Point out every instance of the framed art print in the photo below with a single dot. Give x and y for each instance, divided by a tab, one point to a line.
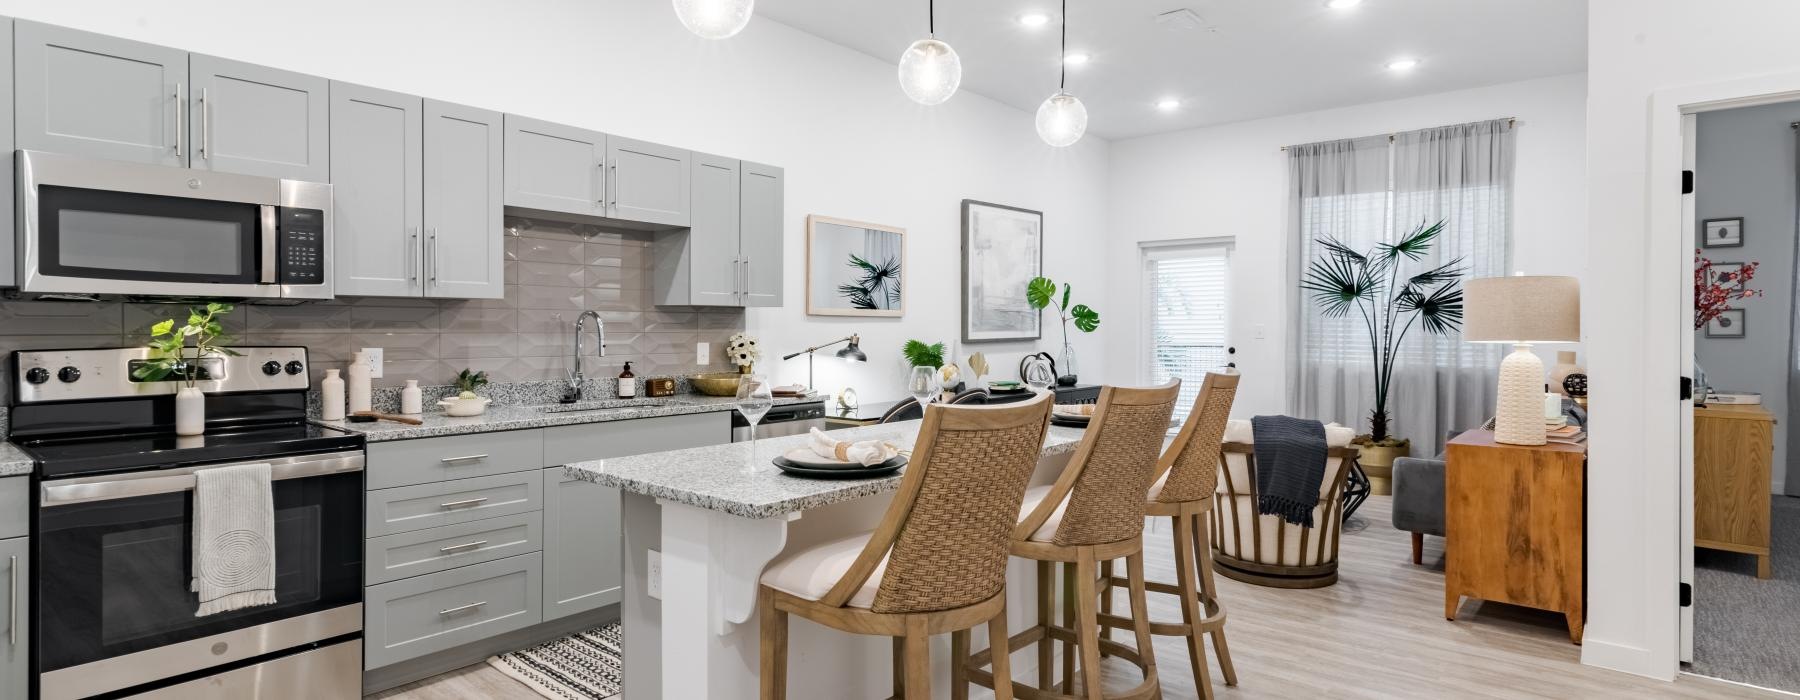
1722	233
854	268
1002	251
1729	324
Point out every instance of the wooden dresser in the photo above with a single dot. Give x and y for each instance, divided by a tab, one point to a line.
1733	445
1514	527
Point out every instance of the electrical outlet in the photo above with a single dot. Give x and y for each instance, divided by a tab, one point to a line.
702	353
653	572
374	357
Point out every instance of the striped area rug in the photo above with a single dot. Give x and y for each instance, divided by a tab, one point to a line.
586	665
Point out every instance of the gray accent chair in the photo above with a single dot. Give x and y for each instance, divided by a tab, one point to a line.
1419	490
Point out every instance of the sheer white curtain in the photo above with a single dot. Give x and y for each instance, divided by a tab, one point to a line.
1376	190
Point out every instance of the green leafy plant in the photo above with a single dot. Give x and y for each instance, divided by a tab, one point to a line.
468	380
877	285
1042	291
179	350
1344	282
918	354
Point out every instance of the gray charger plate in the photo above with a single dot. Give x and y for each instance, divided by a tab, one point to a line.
860	472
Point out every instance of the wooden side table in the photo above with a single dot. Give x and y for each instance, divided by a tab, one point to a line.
1514	525
1733	445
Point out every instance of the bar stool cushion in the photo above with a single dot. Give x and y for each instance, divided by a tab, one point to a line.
810	573
1035	495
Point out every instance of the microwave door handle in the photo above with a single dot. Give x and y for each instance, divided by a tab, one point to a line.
268	245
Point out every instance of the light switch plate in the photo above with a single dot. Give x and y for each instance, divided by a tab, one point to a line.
653	575
702	353
375	363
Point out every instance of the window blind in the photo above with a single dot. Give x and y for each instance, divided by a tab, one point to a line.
1187	295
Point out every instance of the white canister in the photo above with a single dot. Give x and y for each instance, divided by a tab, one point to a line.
331	396
357	387
409	399
190	411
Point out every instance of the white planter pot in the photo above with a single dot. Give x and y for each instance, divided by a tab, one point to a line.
190	411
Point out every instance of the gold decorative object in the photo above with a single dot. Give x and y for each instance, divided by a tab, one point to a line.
716	383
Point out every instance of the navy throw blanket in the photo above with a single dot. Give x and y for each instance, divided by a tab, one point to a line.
1290	465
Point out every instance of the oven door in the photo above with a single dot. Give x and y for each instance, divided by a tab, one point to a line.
113	606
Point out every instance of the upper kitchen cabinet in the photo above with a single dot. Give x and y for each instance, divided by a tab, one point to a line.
378	199
255	120
760	233
8	270
647	182
555	168
731	255
464	248
101	96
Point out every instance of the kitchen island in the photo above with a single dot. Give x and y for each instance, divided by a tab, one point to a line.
718	515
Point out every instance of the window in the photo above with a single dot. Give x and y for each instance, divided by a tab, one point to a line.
1186	295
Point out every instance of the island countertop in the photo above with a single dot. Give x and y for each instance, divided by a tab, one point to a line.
729	479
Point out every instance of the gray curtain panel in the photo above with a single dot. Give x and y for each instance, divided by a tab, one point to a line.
1792	484
1371	190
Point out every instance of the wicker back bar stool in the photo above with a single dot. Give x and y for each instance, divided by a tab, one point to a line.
936	562
1093	513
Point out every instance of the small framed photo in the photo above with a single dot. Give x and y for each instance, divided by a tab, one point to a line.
1719	270
1722	233
1729	324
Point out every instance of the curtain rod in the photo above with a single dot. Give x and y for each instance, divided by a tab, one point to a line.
1510	122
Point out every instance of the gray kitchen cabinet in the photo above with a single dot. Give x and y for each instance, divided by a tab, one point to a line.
464	247
582	544
377	196
702	264
416	616
647	182
555	168
8	270
760	233
15	673
255	120
95	95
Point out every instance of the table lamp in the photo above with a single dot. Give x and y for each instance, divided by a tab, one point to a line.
849	353
1522	310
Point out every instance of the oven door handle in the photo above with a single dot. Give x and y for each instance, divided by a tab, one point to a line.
113	487
269	238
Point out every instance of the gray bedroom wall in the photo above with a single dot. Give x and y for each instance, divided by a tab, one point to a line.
1744	166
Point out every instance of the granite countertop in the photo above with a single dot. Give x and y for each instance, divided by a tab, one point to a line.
14	461
729	479
499	418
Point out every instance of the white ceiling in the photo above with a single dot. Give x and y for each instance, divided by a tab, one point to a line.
1250	59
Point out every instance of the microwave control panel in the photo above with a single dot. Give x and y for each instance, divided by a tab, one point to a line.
301	250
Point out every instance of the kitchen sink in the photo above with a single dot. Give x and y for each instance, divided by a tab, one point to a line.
609	405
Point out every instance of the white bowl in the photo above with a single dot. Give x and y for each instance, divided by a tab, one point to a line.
464	407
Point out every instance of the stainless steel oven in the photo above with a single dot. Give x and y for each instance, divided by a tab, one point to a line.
91	228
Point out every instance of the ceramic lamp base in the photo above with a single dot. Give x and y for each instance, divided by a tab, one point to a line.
1519	418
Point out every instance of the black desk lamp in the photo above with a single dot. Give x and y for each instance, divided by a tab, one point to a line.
849	353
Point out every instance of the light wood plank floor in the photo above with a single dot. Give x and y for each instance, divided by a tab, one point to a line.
1378	633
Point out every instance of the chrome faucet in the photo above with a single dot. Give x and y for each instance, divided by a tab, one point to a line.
572	392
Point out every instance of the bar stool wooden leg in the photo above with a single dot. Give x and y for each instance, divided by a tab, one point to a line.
1203	555
1185	571
899	667
1106	597
959	665
918	659
1087	624
774	648
1069	622
1140	614
999	643
1046	585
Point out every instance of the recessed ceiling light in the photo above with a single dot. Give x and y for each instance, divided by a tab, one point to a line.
1342	4
1034	19
1076	59
1168	104
1402	65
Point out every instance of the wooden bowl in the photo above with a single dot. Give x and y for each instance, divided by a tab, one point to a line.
716	383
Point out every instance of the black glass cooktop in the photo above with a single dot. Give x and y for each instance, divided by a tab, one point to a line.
62	457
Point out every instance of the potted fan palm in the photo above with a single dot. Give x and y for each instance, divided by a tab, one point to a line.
1371	286
179	355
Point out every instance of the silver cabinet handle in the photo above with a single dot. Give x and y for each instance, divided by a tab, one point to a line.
180	115
602	166
460	547
413	252
460	608
746	281
459	504
205	125
464	458
612	181
434	256
12	600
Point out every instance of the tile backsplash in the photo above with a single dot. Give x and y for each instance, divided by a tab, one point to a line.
554	271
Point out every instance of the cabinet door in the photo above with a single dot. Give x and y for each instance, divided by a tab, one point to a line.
257	120
556	168
15	673
582	543
713	255
761	234
647	182
464	247
377	198
8	274
101	96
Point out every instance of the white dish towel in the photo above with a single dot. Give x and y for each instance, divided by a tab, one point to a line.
234	538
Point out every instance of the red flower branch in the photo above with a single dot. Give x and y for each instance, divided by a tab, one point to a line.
1714	290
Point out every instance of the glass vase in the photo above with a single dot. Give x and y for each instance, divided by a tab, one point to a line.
1066	363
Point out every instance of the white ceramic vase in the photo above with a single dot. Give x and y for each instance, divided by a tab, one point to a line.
331	396
358	386
190	411
410	403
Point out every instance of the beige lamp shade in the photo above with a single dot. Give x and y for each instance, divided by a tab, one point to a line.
1522	310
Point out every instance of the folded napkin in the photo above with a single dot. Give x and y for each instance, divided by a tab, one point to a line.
234	538
867	453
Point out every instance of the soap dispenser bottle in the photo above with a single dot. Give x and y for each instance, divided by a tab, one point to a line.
627	383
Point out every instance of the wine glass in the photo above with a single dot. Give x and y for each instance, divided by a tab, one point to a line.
754	401
1038	373
924	385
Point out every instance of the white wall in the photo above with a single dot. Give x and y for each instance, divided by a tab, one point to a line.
1635	49
851	143
1231	180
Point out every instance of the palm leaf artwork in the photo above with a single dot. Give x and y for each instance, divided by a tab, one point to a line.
1343	281
877	285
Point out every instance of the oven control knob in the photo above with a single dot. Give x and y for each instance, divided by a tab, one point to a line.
271	368
68	374
37	375
295	367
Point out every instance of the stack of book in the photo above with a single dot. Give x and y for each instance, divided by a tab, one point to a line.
1565	434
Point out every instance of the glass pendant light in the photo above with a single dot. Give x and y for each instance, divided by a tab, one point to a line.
930	70
714	19
1062	119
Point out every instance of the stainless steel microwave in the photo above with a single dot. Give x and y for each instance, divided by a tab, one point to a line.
92	228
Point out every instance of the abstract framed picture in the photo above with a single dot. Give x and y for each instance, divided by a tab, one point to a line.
854	268
1719	270
1728	324
1722	233
1002	250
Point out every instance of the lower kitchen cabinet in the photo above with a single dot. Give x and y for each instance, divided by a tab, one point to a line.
15	673
582	542
413	617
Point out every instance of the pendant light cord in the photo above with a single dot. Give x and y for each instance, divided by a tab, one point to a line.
1062	82
931	18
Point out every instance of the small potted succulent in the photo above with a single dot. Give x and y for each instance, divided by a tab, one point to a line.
177	357
467	402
